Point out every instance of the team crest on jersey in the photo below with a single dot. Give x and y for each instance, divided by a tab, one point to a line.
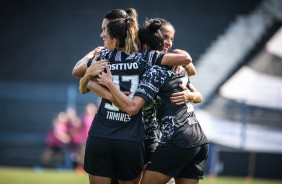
167	128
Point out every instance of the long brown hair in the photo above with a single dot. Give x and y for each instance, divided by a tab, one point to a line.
125	30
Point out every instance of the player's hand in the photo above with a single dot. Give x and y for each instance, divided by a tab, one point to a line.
182	97
105	78
95	51
97	67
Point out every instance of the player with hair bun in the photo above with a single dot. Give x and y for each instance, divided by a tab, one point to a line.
183	147
115	141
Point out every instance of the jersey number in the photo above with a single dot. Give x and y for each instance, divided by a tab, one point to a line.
133	87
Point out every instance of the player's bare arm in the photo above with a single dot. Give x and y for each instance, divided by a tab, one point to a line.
102	91
81	66
95	68
187	95
130	106
177	58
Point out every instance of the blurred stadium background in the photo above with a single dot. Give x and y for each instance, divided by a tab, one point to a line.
236	47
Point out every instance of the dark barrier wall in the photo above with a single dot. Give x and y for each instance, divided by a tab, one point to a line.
42	39
246	164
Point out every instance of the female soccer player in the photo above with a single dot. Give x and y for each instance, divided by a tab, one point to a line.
150	40
115	141
183	147
161	31
81	66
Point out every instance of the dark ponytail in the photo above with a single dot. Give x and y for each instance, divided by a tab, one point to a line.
154	26
151	35
116	14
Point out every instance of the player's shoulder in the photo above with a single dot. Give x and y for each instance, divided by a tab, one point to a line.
151	53
134	56
138	58
161	71
157	70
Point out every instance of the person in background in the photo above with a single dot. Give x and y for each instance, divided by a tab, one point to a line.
87	117
56	142
72	150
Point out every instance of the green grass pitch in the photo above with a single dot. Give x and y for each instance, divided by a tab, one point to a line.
50	176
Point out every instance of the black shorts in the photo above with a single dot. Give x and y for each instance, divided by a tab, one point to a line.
109	158
150	147
179	162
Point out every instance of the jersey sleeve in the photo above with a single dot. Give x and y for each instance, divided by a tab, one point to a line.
151	83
